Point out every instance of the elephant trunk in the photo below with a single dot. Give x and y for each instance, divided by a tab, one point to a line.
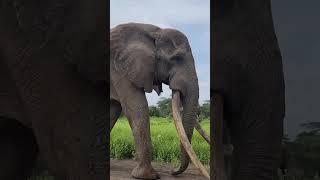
185	126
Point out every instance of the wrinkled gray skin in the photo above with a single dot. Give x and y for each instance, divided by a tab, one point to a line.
52	100
248	74
142	57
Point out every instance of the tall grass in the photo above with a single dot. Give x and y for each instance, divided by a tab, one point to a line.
166	145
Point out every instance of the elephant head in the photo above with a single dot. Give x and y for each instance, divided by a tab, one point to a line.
149	56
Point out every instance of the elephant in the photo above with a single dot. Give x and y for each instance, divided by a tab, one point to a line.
53	88
248	86
142	57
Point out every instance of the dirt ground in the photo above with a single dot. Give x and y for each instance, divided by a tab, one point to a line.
121	170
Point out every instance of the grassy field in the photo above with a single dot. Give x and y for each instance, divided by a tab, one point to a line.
166	146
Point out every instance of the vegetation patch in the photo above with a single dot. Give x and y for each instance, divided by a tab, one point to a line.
165	140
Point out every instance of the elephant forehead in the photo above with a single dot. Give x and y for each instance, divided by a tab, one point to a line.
140	47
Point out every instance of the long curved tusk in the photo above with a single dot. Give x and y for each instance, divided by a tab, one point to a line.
202	132
182	134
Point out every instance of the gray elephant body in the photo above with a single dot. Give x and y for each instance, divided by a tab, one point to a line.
143	57
248	73
51	98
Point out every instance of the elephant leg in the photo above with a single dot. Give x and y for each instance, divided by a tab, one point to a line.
135	107
80	157
115	112
18	150
218	152
139	121
257	148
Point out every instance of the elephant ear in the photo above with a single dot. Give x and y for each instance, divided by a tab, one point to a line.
134	58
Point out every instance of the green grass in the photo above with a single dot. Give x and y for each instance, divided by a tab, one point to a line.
166	146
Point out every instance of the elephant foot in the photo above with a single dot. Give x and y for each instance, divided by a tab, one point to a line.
144	172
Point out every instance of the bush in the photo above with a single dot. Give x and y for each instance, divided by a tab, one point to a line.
164	105
154	111
205	110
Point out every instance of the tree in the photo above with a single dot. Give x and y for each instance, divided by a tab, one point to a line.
307	148
154	111
311	126
205	110
164	105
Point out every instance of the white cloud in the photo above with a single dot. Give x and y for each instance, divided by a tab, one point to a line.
164	13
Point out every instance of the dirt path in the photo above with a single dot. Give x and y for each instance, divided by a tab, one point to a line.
121	170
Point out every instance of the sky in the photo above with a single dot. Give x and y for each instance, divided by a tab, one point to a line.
192	17
297	27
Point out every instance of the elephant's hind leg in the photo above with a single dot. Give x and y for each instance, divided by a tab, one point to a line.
115	112
18	150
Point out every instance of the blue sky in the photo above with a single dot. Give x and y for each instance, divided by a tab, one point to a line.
192	17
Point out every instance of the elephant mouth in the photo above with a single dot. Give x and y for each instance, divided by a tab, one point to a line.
177	119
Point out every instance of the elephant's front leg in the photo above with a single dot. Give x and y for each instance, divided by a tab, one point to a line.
135	107
139	121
